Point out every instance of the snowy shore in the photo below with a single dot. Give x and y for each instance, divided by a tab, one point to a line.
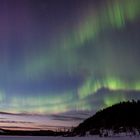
65	138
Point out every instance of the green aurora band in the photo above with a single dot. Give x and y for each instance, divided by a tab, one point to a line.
64	57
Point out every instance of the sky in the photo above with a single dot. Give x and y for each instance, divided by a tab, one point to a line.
63	60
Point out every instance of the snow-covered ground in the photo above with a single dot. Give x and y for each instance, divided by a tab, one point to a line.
65	138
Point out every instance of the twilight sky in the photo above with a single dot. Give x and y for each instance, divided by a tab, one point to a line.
63	60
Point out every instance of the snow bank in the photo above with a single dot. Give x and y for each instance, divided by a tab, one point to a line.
66	138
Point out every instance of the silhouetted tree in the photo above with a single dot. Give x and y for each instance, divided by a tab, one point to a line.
120	118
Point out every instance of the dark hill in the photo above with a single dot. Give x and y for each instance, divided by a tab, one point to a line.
124	115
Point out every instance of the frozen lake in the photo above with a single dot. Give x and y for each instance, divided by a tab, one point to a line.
64	138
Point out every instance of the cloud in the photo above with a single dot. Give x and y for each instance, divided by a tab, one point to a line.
67	118
19	128
15	122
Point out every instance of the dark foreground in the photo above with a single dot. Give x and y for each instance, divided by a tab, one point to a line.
65	138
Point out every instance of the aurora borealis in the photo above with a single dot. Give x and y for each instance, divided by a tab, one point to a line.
63	60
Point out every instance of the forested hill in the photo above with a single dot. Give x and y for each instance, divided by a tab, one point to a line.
124	115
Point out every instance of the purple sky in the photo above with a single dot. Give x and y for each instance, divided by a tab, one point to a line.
63	60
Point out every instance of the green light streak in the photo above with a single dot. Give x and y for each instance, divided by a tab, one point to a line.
83	105
42	104
112	15
48	104
91	87
2	96
109	101
116	15
64	57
